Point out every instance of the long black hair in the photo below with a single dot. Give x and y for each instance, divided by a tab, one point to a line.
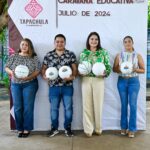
99	41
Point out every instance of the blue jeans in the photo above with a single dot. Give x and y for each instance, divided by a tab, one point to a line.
56	94
23	95
128	90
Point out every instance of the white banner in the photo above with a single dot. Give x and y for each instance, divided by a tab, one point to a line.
113	19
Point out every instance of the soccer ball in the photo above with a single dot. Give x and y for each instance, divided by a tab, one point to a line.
51	73
84	68
126	67
98	69
21	71
65	72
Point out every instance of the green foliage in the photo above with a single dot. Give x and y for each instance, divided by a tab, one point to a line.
5	81
6	7
3	36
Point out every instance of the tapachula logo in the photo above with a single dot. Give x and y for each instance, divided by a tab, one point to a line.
33	8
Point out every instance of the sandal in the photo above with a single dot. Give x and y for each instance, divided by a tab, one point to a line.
88	135
124	132
131	134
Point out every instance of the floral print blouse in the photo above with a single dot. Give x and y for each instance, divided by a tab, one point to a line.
101	55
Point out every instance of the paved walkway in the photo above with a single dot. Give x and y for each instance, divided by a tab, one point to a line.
110	140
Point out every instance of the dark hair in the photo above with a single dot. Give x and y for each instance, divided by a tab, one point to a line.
30	46
99	42
61	36
128	37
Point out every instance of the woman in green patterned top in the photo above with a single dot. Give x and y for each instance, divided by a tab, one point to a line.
93	86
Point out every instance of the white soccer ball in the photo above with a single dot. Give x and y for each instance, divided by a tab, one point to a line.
84	68
126	67
51	73
65	72
21	71
98	69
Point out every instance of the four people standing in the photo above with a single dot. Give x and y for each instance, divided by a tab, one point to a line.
24	89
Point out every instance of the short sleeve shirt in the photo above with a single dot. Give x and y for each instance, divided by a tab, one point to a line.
32	63
53	60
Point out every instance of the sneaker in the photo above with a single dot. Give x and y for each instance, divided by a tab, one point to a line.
53	132
131	134
69	133
123	132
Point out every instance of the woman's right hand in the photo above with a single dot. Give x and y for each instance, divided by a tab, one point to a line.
79	74
119	69
44	77
116	66
11	73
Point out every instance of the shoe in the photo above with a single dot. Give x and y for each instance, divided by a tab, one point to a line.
69	133
88	135
131	134
20	134
124	132
53	132
25	135
98	133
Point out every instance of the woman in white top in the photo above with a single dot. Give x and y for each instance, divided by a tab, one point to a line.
128	64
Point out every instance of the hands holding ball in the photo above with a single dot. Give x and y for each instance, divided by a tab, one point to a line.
126	67
51	73
65	73
98	69
21	72
84	68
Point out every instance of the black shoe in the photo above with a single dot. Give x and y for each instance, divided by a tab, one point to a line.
25	135
53	132
20	134
69	133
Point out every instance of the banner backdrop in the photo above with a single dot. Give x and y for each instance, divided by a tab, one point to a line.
113	19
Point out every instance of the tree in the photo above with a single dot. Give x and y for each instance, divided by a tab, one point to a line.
3	15
4	80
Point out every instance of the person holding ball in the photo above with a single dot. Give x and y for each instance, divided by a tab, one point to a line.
60	86
23	67
94	67
128	64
